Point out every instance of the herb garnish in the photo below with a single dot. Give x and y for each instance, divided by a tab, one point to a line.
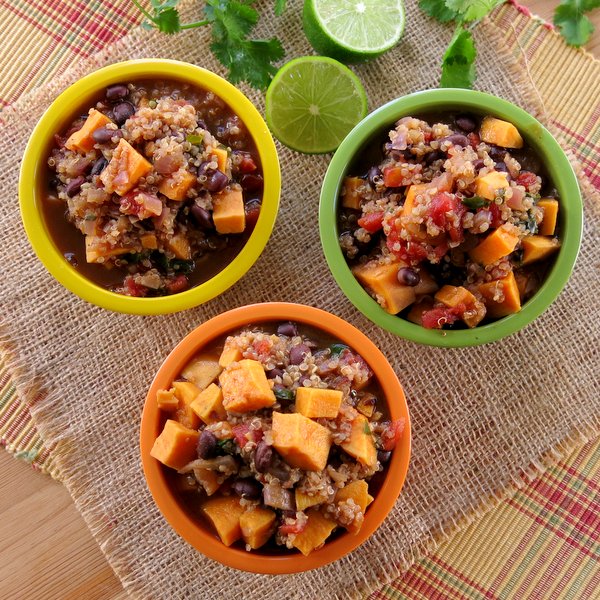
475	202
232	22
571	21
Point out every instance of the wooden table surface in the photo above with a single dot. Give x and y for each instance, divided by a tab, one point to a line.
47	551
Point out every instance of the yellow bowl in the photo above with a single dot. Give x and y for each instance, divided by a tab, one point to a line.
62	111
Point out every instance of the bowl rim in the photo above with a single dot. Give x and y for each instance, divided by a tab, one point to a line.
58	114
555	161
203	540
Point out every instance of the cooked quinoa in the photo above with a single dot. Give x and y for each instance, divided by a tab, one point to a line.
248	394
162	186
455	225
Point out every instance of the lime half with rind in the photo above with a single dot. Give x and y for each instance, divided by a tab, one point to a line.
313	102
353	30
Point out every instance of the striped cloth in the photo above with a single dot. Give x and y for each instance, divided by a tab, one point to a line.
544	542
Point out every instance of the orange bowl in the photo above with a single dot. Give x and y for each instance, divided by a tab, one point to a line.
192	529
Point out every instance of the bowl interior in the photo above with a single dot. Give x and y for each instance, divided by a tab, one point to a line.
199	536
61	112
376	125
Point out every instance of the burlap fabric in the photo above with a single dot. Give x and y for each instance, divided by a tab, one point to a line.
483	418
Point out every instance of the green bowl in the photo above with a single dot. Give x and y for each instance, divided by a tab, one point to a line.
557	166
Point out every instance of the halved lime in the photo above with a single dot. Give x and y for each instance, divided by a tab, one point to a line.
313	102
353	30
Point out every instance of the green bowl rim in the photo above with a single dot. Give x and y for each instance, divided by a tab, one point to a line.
56	115
556	163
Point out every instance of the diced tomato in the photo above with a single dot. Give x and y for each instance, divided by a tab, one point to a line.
295	528
474	139
243	434
262	348
392	434
436	318
134	289
178	284
527	179
393	177
447	211
371	222
427	136
496	215
247	164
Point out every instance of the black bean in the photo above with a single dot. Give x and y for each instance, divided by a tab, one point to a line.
252	210
478	164
276	372
102	135
74	186
71	258
496	153
501	166
204	169
216	181
288	329
281	471
395	154
122	112
458	139
202	217
433	156
408	276
207	444
375	177
247	488
263	457
99	166
116	92
383	456
252	183
466	123
297	353
202	125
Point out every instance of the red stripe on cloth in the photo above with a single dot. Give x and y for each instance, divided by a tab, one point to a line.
556	530
419	585
16	426
580	477
593	585
450	569
577	136
4	379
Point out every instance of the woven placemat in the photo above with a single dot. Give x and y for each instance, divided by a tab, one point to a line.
482	417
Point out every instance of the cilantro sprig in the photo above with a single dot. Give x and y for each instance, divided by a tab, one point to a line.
573	24
232	23
458	62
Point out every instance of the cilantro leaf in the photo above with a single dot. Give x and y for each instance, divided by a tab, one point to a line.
458	64
438	10
280	6
231	17
472	10
571	21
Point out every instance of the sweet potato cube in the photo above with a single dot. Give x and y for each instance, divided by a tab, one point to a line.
229	215
302	443
361	444
498	244
382	280
487	186
221	155
548	224
167	400
208	479
180	247
304	501
126	167
316	402
318	529
411	194
175	447
149	241
501	297
230	354
358	492
257	525
351	192
245	387
186	393
500	133
96	248
224	513
202	371
176	187
538	247
208	405
82	140
452	296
